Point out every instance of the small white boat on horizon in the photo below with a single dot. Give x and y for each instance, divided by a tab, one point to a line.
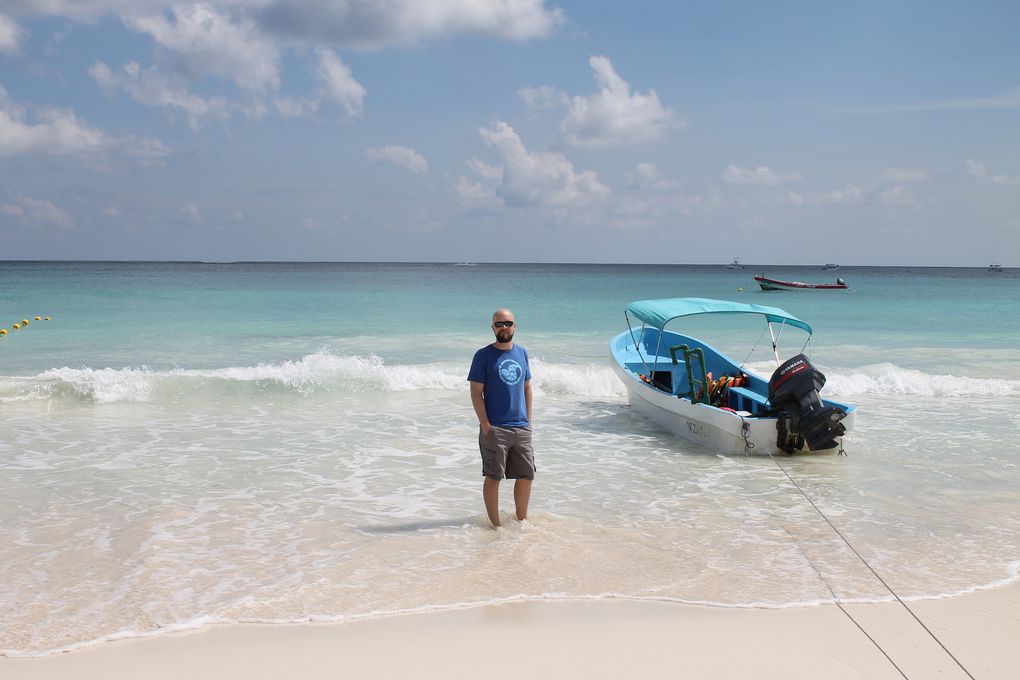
830	267
735	264
995	268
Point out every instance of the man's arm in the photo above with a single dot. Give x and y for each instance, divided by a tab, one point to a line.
527	398
478	401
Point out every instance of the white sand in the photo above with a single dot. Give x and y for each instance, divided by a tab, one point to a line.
600	639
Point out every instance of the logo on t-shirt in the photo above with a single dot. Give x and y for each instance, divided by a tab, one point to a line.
510	371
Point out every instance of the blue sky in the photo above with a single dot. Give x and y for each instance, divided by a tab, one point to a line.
870	133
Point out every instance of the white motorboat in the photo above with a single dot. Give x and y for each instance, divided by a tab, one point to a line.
695	391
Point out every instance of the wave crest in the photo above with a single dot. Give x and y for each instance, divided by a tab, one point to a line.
322	371
887	378
326	372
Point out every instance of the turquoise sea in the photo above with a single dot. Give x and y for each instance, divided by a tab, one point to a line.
186	443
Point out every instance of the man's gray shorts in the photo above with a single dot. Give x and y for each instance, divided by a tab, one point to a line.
507	452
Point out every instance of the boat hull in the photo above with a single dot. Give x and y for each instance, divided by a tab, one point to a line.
776	284
715	429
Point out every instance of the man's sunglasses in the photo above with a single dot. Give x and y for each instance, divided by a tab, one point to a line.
502	324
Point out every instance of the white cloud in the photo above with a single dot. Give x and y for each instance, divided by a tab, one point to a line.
896	195
1005	180
542	98
648	176
170	91
475	194
11	35
202	40
399	155
358	24
614	116
339	84
899	175
976	169
851	193
537	178
31	211
481	193
152	88
368	25
762	176
190	213
59	132
288	107
488	172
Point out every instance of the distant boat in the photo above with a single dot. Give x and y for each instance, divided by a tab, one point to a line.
735	264
830	267
995	267
775	284
464	264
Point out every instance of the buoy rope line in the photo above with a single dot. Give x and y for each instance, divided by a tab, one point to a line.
870	568
21	324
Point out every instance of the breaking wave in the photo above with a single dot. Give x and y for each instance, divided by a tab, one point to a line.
327	372
886	378
322	371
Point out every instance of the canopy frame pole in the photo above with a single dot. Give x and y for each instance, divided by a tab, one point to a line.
637	345
775	339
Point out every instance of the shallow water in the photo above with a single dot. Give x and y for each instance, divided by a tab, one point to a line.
186	443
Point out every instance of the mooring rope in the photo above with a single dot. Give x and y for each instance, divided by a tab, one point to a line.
872	570
835	599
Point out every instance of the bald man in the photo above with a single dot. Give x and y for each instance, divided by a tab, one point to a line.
500	379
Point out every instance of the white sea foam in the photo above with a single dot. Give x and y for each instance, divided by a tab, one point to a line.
322	371
888	378
325	371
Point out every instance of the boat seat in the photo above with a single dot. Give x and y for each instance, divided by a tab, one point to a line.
748	400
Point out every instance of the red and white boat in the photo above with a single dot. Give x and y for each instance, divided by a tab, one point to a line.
775	284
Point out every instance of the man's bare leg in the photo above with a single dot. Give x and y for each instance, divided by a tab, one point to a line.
490	494
522	496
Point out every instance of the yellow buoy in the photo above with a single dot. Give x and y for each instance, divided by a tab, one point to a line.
38	318
24	322
46	319
17	326
740	290
3	331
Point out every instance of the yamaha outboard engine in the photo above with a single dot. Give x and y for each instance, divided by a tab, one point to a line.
793	394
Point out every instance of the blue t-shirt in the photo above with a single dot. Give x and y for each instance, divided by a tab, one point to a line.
503	372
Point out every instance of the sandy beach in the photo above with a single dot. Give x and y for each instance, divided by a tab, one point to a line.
575	639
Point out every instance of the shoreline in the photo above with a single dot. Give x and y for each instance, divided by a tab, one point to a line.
580	638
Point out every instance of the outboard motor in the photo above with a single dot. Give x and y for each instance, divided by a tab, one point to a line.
793	394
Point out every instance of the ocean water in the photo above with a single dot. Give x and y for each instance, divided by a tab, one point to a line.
185	443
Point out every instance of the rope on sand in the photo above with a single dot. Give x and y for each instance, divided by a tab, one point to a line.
872	570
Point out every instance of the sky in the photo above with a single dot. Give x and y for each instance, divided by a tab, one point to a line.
861	133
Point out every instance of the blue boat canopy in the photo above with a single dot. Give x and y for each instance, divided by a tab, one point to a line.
658	313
